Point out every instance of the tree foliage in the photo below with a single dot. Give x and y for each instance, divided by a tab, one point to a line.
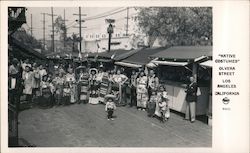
176	25
22	35
60	27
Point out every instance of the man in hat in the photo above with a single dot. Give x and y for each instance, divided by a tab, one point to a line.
110	106
191	99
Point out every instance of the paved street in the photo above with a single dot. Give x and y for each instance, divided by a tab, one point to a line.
87	126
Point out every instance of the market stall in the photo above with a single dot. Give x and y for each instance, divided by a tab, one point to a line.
175	64
208	65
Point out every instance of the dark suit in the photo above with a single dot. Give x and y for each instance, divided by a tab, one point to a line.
191	99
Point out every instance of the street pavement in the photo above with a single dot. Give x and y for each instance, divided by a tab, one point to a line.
86	125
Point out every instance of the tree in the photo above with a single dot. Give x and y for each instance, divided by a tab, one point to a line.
60	27
176	25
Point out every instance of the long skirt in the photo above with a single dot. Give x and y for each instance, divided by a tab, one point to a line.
151	108
115	90
158	111
83	91
93	95
46	98
142	99
73	94
104	86
59	95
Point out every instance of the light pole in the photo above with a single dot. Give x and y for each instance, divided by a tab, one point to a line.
110	30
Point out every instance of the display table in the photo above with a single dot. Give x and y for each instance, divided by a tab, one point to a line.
177	95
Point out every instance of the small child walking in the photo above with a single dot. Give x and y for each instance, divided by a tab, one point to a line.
110	106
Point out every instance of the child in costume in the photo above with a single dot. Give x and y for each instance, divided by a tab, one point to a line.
110	106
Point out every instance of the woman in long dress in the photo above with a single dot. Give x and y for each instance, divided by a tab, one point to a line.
46	94
93	85
70	78
28	86
103	80
142	92
83	85
59	81
119	80
162	97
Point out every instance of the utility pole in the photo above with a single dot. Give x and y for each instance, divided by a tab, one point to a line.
43	30
80	27
64	37
110	30
53	31
31	28
127	21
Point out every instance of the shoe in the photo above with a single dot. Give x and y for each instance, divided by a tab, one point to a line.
112	119
108	119
192	121
144	110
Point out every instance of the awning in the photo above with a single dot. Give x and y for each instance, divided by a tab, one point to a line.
185	53
208	63
128	64
170	63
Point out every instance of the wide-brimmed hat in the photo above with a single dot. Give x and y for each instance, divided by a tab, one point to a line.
110	96
93	69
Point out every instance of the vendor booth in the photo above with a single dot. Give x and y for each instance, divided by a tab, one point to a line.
208	65
175	65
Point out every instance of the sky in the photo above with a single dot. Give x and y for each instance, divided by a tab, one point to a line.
92	25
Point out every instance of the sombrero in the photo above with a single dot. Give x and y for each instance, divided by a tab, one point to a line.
93	69
110	96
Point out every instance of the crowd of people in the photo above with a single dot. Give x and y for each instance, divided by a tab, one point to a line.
67	84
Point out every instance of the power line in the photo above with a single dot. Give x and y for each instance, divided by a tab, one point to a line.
104	13
103	16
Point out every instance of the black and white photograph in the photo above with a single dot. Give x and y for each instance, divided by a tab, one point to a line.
110	76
